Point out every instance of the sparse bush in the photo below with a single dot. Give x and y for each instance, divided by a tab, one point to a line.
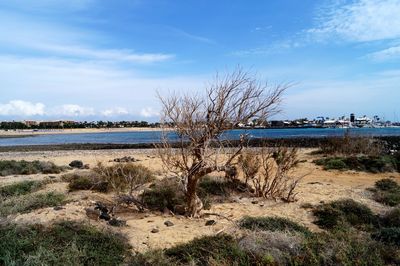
250	164
389	235
272	224
345	248
387	192
124	176
27	203
86	181
164	194
377	164
152	257
392	218
65	243
20	188
336	164
270	172
276	248
391	198
13	167
213	186
220	249
386	184
341	213
353	145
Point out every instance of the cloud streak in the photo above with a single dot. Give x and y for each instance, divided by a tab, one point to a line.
359	21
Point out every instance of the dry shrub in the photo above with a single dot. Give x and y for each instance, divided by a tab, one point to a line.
353	145
249	164
124	176
276	247
270	172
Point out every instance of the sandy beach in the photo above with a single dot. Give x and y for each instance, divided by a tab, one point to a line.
316	187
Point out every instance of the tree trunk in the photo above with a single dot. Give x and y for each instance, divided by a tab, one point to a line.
194	204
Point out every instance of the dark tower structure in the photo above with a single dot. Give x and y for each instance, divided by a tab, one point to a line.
352	118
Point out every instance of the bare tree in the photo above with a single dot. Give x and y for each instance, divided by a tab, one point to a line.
199	121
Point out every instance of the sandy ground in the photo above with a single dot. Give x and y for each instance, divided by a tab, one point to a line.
73	131
316	187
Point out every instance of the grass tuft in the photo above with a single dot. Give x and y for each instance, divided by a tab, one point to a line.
272	224
21	188
64	243
12	167
30	202
387	191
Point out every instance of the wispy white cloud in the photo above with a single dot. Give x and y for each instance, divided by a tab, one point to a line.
117	111
105	54
274	48
148	112
96	84
188	35
56	40
386	54
359	20
71	110
21	108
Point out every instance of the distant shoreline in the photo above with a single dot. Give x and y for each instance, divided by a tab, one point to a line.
31	132
299	142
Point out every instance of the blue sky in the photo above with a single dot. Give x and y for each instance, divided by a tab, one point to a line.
92	59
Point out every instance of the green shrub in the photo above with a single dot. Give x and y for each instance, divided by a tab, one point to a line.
65	243
27	203
389	235
124	176
391	198
392	218
345	248
213	186
20	188
220	249
152	257
82	182
344	212
374	164
13	167
271	224
163	194
386	184
337	164
387	192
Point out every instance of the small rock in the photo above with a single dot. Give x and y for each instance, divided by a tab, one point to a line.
92	213
168	223
76	164
52	176
254	202
210	222
155	230
57	208
105	216
150	221
180	209
116	222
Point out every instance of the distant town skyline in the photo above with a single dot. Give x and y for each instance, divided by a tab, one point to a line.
106	60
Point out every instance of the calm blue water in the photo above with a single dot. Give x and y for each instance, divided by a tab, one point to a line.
152	136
